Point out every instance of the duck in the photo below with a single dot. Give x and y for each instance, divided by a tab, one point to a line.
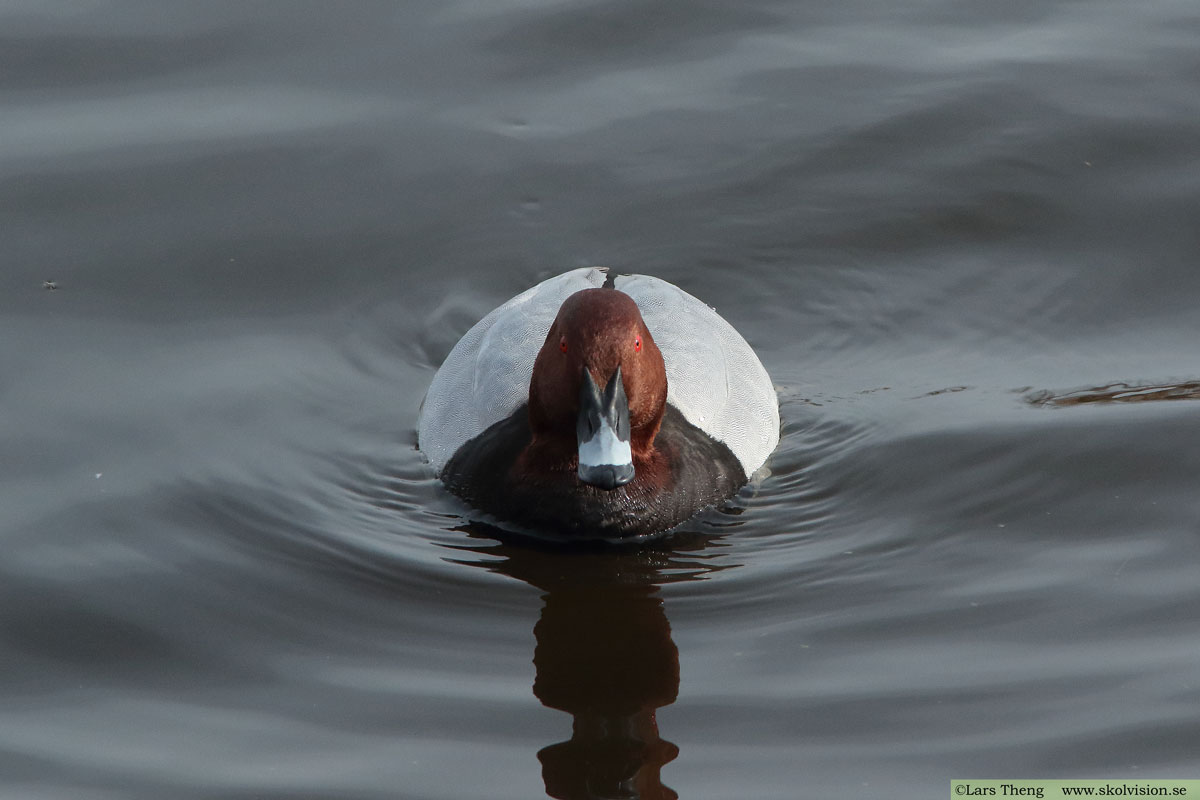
599	405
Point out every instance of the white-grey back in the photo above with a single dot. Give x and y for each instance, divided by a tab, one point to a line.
713	376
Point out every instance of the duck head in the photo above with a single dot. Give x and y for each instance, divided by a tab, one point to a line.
599	388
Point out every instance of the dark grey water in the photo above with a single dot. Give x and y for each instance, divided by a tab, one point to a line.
227	573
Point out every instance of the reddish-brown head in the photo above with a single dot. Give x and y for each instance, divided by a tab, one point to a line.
602	329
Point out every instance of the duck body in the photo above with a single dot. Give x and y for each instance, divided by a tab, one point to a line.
599	406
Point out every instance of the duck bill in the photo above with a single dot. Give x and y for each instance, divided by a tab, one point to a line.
602	428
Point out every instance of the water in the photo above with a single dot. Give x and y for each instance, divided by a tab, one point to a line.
228	573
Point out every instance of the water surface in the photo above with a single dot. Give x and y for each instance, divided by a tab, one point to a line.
238	240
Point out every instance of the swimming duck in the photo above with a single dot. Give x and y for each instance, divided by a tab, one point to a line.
599	405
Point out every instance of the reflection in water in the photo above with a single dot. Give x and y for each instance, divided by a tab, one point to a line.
604	655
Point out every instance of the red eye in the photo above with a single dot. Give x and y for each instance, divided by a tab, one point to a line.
637	345
562	344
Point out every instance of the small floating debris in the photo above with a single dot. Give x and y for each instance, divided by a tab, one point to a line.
1118	393
947	390
50	285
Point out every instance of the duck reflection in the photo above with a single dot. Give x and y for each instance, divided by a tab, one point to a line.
604	655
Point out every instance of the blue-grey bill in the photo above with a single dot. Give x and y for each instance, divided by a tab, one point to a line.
602	429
